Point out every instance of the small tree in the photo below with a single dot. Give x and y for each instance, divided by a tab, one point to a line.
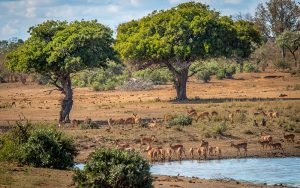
56	49
291	41
175	38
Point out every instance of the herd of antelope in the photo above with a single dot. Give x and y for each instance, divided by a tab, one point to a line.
202	151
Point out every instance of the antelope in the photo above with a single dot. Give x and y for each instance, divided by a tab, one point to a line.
204	144
202	151
122	146
74	123
256	113
191	152
214	151
202	115
240	145
129	149
175	147
266	137
147	140
264	144
153	123
191	111
169	153
289	137
214	113
275	114
276	146
179	152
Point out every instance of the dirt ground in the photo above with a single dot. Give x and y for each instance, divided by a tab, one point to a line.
248	92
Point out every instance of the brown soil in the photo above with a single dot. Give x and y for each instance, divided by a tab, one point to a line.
34	102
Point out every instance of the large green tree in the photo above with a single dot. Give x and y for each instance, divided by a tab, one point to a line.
175	38
56	49
291	41
276	16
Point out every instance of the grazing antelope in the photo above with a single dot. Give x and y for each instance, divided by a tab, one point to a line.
238	146
264	144
74	123
214	113
289	137
191	111
256	113
202	115
277	146
147	140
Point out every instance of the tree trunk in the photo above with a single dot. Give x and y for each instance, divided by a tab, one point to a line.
67	102
180	82
295	59
283	53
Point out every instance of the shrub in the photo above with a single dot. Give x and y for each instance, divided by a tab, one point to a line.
219	129
181	120
157	76
230	70
96	87
48	148
221	74
250	67
135	84
112	168
281	64
9	150
203	75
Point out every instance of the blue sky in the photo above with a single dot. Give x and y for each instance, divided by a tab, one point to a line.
16	16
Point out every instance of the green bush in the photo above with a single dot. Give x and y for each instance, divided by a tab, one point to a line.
221	74
250	67
203	75
230	70
181	120
157	76
9	150
96	87
48	148
112	168
219	129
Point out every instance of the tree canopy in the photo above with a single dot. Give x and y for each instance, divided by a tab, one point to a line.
176	37
291	41
56	49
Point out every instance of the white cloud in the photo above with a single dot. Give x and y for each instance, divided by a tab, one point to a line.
135	2
232	1
113	8
8	30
